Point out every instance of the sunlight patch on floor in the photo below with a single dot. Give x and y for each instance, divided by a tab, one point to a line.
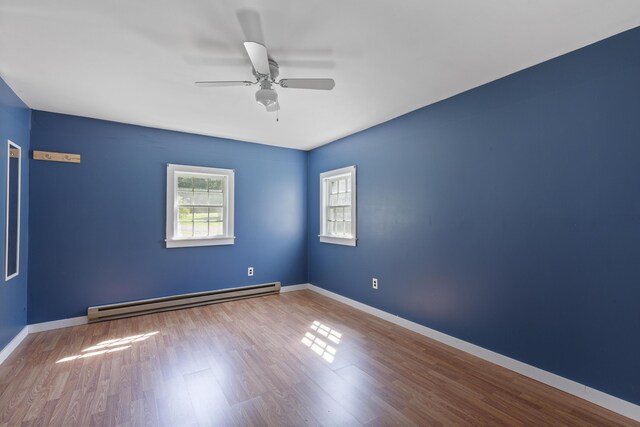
318	344
109	346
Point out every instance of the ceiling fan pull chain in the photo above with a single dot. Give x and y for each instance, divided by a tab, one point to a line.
277	115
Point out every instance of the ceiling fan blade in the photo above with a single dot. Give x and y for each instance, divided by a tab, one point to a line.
251	26
318	84
259	58
273	107
306	63
224	83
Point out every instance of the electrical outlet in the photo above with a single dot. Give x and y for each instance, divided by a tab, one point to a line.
250	271
374	283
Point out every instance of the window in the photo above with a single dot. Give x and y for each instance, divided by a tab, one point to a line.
338	206
199	206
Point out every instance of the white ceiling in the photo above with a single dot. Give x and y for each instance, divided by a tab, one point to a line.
135	61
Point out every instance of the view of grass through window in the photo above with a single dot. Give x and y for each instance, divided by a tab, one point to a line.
200	205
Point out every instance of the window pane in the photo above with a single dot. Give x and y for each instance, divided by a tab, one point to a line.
185	214
347	199
215	199
185	182
333	200
216	184
347	214
333	185
332	214
215	214
200	228
185	197
342	186
200	214
185	229
331	228
349	183
200	184
342	199
347	228
200	198
339	214
215	228
339	228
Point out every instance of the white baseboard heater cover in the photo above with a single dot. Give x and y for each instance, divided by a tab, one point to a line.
137	308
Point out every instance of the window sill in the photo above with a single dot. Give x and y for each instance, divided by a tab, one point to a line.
189	243
346	241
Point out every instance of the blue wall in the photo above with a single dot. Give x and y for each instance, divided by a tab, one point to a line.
507	216
15	120
98	227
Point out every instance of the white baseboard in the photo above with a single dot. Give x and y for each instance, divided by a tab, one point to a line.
292	288
13	344
57	324
582	391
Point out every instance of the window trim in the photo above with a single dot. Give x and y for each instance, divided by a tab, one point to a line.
324	177
172	207
7	277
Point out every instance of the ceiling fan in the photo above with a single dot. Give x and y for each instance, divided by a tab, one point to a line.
266	71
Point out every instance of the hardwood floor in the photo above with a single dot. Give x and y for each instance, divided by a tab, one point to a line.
296	359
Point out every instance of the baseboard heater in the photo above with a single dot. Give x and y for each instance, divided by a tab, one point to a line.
137	308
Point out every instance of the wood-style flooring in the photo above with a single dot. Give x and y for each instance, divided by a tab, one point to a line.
296	359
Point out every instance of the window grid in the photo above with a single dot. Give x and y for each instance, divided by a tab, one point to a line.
200	205
338	203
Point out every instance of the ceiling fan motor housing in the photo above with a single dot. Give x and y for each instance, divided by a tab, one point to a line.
274	68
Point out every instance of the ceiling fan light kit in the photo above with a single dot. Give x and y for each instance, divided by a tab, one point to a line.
266	71
266	96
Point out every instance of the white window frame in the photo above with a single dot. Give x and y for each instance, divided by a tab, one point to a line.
324	178
172	207
10	145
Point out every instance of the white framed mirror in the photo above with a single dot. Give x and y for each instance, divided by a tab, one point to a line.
12	226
